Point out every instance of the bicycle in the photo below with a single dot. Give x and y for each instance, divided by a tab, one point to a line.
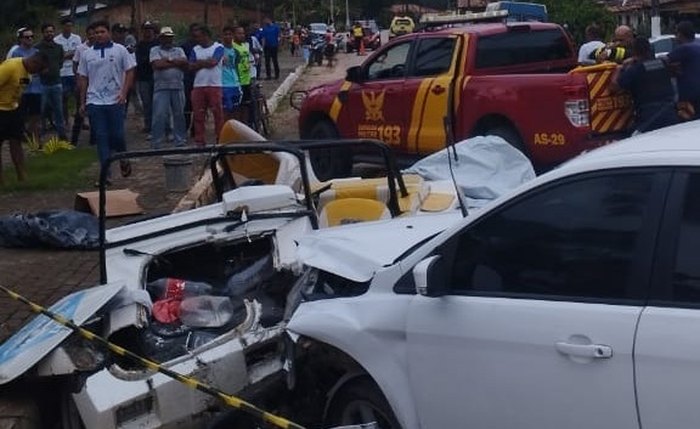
261	120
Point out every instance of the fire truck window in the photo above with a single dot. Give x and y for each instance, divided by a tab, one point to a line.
390	64
434	56
517	47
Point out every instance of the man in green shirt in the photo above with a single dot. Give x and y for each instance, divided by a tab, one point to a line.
52	93
244	74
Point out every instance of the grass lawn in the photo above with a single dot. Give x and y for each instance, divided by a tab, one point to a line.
64	169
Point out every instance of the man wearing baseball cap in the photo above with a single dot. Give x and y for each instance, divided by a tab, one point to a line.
168	62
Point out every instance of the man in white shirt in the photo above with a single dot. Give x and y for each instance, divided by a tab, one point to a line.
79	120
205	60
105	75
593	42
70	42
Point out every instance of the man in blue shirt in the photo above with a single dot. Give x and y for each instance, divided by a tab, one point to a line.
686	56
270	41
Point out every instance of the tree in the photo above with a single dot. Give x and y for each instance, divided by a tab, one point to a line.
577	14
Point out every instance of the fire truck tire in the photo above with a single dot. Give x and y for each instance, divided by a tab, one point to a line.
508	134
329	163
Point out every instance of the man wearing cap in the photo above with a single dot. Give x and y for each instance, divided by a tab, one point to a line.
168	62
144	72
70	42
105	74
14	76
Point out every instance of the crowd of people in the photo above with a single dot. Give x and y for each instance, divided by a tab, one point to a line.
176	86
665	90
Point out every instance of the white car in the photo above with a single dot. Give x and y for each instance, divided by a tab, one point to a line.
571	302
665	43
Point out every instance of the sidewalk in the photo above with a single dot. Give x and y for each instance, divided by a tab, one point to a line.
45	276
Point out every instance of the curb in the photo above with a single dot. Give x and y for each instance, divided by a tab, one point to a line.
283	89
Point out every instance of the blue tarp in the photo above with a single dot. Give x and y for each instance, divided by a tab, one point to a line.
63	229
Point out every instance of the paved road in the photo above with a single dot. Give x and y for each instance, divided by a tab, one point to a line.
45	276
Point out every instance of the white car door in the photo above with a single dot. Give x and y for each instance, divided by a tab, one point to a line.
667	353
539	300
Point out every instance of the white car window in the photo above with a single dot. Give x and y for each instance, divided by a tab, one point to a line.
577	239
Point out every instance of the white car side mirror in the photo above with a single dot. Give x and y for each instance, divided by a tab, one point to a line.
422	274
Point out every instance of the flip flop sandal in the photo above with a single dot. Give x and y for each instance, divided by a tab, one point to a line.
125	167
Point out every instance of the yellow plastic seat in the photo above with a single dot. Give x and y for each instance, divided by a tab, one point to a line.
352	210
375	189
261	166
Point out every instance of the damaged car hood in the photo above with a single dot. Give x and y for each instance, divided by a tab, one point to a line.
357	251
40	336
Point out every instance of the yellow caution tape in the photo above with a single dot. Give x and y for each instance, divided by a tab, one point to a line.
229	400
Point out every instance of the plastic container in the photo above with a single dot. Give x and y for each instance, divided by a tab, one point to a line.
206	311
177	173
177	288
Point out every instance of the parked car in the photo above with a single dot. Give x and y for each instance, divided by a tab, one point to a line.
665	43
401	25
577	293
520	11
516	81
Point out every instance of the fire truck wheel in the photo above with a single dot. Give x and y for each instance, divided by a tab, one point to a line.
329	163
508	134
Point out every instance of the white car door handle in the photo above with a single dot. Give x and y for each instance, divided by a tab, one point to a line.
595	351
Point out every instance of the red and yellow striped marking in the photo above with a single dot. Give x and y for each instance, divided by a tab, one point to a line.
610	112
337	104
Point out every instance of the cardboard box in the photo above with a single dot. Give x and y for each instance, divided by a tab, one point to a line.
120	202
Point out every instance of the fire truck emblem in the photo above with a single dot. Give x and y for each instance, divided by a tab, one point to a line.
374	103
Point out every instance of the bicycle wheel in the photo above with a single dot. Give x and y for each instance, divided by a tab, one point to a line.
264	117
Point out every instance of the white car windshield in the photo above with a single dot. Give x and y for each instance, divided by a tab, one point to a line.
318	27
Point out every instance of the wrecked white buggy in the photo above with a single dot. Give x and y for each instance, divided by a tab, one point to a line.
203	291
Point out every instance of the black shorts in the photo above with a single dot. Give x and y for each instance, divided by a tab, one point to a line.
11	125
30	105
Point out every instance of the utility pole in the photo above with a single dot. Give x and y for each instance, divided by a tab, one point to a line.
347	16
655	19
332	20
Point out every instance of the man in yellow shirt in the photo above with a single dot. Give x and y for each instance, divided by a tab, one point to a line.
15	74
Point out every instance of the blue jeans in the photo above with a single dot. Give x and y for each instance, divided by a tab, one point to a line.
145	90
52	98
107	125
168	102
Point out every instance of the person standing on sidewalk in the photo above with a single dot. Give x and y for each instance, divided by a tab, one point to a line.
231	86
206	94
70	42
686	59
14	75
79	119
168	62
30	105
187	47
245	73
144	73
270	42
52	90
105	75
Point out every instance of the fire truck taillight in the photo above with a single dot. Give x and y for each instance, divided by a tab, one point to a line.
578	112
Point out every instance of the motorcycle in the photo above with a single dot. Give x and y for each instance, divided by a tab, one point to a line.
318	47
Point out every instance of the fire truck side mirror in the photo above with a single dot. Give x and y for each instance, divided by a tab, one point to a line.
354	74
